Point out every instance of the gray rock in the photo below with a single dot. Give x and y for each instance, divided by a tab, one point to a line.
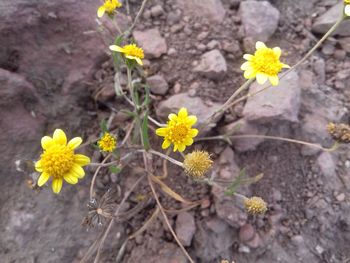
259	19
210	9
213	239
244	127
22	125
326	164
328	19
321	105
194	105
279	103
212	65
158	84
246	233
185	228
157	10
153	44
226	207
345	43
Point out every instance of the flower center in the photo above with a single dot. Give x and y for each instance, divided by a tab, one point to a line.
267	62
133	50
57	160
178	132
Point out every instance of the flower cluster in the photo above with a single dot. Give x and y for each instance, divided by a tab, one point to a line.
59	161
109	7
255	205
107	143
264	65
197	163
178	130
340	132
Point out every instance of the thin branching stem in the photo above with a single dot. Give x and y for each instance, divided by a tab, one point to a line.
95	175
167	220
126	196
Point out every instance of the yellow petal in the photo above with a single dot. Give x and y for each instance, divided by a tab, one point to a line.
274	80
161	131
172	117
181	147
139	61
193	132
183	113
175	147
260	45
59	137
166	144
75	142
246	65
188	141
70	178
249	74
43	179
101	11
81	159
117	48
261	78
46	142
277	51
191	120
57	185
78	171
38	167
248	56
285	66
347	10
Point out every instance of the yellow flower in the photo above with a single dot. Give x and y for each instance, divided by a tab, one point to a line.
59	161
255	205
178	130
264	65
197	163
346	2
130	51
108	7
107	143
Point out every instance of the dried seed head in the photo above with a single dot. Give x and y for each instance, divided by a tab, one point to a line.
197	163
339	132
255	205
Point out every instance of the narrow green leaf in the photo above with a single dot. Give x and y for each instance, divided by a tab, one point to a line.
103	126
145	138
231	189
115	169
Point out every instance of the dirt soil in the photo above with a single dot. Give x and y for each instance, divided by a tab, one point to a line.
308	219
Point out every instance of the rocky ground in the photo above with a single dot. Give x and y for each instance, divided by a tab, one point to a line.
55	72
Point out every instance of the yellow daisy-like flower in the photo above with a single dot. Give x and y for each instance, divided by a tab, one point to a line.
197	163
109	6
107	143
178	130
130	51
264	65
255	205
59	161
